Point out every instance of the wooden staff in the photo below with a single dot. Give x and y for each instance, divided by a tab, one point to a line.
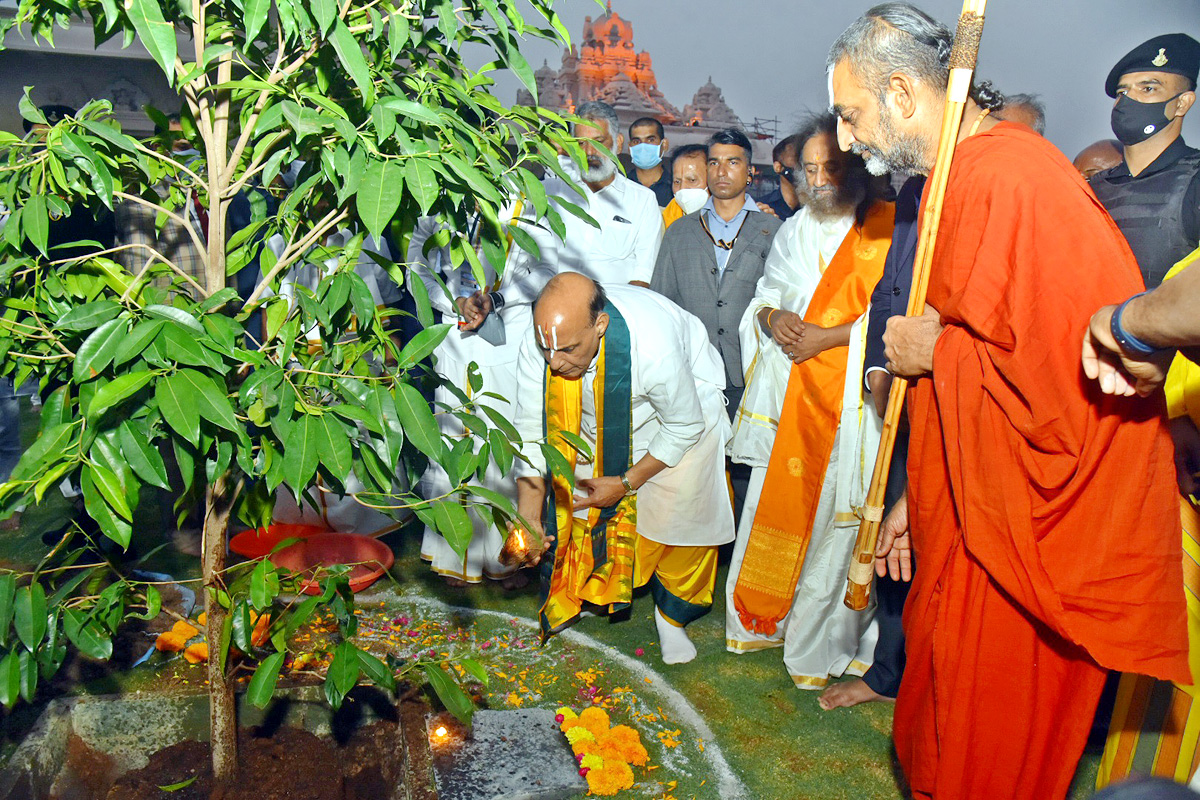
962	67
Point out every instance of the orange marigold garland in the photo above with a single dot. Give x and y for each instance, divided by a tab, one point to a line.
604	751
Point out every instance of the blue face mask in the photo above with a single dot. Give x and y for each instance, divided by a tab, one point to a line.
645	155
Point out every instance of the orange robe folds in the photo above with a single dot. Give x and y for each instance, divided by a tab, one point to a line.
812	406
1043	512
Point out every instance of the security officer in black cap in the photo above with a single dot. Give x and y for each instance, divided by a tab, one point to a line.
1154	195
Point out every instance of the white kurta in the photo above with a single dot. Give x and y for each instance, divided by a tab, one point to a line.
523	277
678	416
799	253
820	636
625	248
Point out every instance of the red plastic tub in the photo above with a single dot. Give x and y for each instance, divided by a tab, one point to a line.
369	558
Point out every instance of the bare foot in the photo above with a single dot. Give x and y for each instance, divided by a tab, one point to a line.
850	693
518	580
456	583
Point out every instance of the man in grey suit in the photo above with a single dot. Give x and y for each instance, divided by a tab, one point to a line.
710	262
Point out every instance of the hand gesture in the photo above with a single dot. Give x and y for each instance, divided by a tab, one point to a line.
908	343
893	551
537	540
602	492
474	310
1117	373
787	328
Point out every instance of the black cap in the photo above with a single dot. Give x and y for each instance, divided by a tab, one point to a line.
54	114
1176	53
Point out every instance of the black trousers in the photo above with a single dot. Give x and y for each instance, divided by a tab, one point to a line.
884	675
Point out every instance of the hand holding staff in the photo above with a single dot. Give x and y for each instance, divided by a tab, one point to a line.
962	67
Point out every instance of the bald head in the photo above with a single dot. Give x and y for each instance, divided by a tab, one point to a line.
569	321
1098	156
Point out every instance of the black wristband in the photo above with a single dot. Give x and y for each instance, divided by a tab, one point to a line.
1132	345
497	300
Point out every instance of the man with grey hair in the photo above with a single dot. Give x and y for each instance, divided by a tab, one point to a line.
1042	563
1027	109
625	247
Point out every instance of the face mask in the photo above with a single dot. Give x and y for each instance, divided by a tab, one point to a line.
691	199
1134	122
570	167
645	156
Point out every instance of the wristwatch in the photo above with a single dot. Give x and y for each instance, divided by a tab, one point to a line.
629	490
497	300
1130	344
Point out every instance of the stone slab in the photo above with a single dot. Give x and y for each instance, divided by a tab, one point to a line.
508	755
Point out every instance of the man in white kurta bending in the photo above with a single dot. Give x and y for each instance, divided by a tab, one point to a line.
490	323
636	378
802	426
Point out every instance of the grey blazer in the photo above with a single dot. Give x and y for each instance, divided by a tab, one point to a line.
686	273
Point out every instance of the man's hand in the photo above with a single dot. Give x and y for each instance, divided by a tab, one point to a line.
815	340
766	209
538	542
893	551
474	310
601	492
1187	455
1117	373
786	327
879	381
908	343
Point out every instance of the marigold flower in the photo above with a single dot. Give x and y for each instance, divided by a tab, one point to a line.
196	653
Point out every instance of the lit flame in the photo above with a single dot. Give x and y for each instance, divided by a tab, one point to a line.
519	533
441	732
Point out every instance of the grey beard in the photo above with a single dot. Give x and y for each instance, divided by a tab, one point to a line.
841	202
897	152
601	172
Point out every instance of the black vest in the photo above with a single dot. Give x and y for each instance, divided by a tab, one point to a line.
1149	211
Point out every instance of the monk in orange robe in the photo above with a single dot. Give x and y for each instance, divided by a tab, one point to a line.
1042	511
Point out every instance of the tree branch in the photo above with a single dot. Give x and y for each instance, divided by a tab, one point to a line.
294	251
196	240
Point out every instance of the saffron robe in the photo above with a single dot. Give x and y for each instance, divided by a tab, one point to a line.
1043	512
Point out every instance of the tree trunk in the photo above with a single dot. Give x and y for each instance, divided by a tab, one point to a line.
222	717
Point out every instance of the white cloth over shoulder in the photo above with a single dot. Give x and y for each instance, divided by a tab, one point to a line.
625	248
799	254
678	416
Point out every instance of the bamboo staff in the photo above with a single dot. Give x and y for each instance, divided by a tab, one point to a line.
962	67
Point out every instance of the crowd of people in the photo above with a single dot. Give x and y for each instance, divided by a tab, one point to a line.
716	367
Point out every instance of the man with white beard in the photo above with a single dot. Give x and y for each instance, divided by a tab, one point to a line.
625	247
803	425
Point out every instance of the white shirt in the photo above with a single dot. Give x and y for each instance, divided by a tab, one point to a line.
625	248
678	416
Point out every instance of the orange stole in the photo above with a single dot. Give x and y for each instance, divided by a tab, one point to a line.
808	423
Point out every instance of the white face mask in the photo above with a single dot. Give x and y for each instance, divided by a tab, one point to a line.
691	199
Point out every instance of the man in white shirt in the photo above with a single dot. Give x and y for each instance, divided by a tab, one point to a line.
625	247
636	378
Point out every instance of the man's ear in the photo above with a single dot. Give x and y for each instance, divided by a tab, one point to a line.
664	147
620	148
601	323
1185	102
901	90
778	167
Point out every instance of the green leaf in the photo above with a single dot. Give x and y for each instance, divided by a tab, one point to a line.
559	464
98	349
109	486
143	457
376	670
421	345
36	221
243	627
50	446
138	340
422	182
456	701
264	585
453	523
111	524
10	679
262	684
324	12
407	108
418	421
502	451
501	422
333	447
179	407
55	408
176	315
581	446
254	15
88	316
87	634
28	669
212	403
300	452
343	673
175	787
379	195
476	669
117	390
156	34
8	591
29	615
494	498
350	54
